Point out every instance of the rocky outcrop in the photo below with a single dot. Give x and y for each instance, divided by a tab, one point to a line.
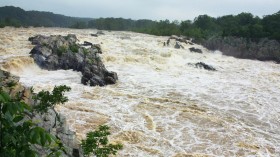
177	41
51	121
202	65
192	49
261	49
98	33
62	52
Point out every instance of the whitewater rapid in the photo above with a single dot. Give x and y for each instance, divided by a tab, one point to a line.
162	106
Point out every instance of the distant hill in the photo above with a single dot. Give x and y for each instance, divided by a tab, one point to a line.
15	16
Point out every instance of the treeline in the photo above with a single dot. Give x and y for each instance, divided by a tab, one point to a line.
17	17
202	27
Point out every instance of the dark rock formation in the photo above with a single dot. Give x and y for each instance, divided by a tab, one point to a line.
202	65
86	43
178	41
261	49
98	33
94	35
62	52
192	49
178	45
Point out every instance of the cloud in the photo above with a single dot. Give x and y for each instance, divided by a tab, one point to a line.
148	9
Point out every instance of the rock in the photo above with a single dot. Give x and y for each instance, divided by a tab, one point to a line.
178	41
177	46
98	47
86	43
94	35
192	49
262	49
62	52
100	33
203	66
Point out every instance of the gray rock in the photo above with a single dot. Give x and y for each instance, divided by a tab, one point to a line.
261	49
192	49
62	52
177	45
202	65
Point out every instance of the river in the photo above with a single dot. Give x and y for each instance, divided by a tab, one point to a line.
162	106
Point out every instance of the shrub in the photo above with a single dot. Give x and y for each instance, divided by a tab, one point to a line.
19	135
62	49
74	48
97	141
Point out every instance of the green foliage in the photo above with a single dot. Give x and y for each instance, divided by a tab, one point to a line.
62	49
74	48
19	134
97	143
85	51
46	100
19	17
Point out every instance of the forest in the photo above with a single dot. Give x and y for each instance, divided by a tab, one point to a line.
202	27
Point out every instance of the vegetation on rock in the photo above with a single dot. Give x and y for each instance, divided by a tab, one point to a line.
19	133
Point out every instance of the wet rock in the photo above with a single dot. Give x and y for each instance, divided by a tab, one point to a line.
100	33
177	42
178	45
86	43
202	65
192	49
62	52
262	49
94	35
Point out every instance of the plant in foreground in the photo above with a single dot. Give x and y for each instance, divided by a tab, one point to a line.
97	143
19	135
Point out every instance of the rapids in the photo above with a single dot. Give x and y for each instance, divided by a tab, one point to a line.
161	106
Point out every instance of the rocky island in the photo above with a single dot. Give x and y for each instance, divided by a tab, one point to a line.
62	52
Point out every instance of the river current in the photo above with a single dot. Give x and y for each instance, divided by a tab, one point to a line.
162	106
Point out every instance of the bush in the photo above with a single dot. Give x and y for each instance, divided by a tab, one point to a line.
61	50
19	135
97	141
74	48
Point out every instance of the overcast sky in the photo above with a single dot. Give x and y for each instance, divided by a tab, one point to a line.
148	9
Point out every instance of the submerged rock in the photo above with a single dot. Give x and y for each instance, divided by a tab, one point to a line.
192	49
62	52
202	65
177	42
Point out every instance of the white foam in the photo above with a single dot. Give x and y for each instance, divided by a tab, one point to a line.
168	106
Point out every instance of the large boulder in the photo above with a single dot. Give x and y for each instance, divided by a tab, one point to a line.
62	52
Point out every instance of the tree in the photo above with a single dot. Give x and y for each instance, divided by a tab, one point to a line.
97	141
19	134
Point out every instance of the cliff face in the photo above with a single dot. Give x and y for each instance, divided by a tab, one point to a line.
262	49
51	121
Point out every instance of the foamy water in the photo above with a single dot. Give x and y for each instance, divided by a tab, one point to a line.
161	106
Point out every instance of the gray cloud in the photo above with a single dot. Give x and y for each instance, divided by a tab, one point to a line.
148	9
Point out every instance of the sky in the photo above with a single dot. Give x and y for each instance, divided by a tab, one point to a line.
148	9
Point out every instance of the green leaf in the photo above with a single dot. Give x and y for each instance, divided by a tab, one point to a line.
4	97
17	119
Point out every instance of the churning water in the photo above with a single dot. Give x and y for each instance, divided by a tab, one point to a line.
162	106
